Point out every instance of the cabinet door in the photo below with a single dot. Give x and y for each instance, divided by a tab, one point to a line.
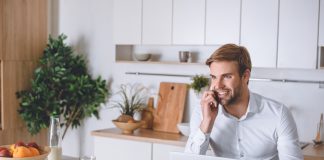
259	31
113	148
321	24
157	21
127	21
188	21
222	21
298	28
161	151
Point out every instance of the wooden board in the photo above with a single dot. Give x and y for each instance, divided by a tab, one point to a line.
170	107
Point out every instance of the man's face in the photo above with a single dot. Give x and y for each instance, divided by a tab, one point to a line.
226	80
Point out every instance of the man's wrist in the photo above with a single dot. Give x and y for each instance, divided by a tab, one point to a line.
206	126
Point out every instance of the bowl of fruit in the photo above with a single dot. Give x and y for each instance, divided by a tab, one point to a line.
24	151
127	124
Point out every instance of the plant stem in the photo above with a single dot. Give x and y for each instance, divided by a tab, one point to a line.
68	123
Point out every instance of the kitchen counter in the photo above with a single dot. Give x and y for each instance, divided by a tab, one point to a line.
312	152
144	135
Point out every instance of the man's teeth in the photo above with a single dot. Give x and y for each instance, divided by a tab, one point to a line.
221	93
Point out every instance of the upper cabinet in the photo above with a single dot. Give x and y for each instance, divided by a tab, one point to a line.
259	31
188	22
321	24
127	21
298	29
222	21
157	22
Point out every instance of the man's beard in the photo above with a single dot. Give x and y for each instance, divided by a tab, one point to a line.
233	98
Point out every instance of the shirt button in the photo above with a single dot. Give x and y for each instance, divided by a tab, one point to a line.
239	140
241	155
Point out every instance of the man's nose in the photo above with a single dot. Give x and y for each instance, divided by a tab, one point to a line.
218	84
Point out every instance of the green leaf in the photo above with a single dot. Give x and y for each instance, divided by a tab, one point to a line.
61	86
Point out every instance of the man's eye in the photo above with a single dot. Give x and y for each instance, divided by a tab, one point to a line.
228	76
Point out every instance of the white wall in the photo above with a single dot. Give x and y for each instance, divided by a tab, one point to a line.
88	26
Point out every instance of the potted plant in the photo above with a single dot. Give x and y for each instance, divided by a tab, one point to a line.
61	86
199	84
130	99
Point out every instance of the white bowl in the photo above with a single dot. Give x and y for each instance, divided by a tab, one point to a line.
142	56
184	128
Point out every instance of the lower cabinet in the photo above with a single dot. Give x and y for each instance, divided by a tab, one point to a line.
121	149
161	151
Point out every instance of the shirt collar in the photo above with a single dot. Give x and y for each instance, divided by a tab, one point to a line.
253	107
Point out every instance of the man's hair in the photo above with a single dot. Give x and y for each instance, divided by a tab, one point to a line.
232	52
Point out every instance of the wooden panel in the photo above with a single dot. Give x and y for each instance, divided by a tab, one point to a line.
171	102
1	28
16	77
13	135
24	33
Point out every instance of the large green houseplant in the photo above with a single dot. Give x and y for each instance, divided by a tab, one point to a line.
63	87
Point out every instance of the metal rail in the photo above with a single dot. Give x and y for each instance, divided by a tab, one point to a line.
252	79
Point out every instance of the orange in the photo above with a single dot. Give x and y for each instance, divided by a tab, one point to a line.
34	151
12	148
21	151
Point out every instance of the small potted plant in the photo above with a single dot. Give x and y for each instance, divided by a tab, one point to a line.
131	99
199	84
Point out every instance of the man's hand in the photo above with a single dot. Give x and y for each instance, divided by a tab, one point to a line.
209	109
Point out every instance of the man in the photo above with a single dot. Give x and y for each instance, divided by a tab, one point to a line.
235	122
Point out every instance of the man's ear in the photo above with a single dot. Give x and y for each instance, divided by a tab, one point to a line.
246	76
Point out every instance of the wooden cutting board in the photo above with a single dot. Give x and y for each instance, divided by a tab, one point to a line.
170	107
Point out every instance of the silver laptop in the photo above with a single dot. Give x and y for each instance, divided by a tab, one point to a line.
188	156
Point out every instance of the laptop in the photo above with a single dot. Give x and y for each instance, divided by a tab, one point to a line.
188	156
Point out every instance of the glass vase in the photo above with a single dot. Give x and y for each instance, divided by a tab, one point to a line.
54	137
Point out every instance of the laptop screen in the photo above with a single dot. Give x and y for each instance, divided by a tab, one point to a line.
188	156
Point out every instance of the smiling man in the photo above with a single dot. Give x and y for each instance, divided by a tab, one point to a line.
237	123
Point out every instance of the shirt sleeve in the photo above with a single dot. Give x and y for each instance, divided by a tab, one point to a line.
288	143
198	141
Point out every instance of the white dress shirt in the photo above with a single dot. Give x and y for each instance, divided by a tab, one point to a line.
266	131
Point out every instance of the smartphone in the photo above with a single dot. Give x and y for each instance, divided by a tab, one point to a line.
212	105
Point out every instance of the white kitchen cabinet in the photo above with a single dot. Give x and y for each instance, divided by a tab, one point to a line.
161	151
222	21
127	21
298	29
259	30
120	149
321	24
157	22
188	22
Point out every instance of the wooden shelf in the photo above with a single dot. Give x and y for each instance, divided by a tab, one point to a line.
157	62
